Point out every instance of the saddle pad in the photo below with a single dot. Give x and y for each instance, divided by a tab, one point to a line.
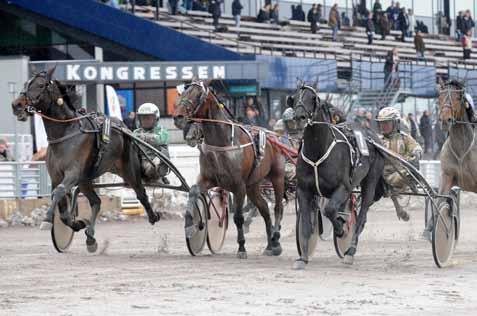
361	142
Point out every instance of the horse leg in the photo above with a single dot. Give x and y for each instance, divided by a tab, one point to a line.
401	214
201	187
239	196
58	194
368	188
253	193
132	176
279	190
335	203
306	204
95	203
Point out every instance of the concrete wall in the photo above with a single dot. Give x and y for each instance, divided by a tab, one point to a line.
12	69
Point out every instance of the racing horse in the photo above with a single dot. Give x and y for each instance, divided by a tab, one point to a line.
228	159
326	168
459	152
73	157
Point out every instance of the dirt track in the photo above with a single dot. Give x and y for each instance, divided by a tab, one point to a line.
144	270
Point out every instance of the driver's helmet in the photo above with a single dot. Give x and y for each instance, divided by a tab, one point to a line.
288	115
279	127
388	114
147	109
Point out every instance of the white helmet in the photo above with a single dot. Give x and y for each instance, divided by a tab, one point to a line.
149	109
388	114
279	126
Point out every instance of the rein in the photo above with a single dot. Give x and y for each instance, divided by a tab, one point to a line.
52	119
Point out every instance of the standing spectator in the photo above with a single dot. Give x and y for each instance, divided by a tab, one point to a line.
412	22
130	121
216	11
396	12
314	18
467	23
236	12
419	45
391	67
293	12
345	20
412	125
4	152
384	26
274	14
458	26
300	14
264	14
188	5
390	14
467	44
403	22
334	21
173	6
376	8
252	114
425	128
370	28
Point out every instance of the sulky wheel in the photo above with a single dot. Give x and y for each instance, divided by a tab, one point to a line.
314	234
342	244
445	232
217	220
61	234
196	242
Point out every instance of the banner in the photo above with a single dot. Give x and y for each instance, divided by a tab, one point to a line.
113	106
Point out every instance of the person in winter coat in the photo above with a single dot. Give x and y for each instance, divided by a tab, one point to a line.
467	23
216	11
419	45
370	28
458	26
314	16
391	67
467	44
334	21
236	12
403	22
264	14
300	14
384	26
425	128
274	14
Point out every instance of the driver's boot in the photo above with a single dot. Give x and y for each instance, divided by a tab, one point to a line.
401	214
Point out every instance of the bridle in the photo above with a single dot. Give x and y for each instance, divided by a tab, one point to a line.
300	104
448	102
189	104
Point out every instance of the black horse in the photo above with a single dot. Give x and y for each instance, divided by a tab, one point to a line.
326	167
74	157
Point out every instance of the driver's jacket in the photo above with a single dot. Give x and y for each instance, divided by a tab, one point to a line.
407	147
157	137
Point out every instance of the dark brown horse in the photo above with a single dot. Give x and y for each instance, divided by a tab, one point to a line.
73	153
228	160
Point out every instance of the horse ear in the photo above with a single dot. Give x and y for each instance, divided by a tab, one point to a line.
290	101
49	74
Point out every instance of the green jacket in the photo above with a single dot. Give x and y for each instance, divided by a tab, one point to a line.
157	137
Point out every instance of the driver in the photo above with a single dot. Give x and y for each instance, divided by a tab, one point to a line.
152	133
293	131
401	143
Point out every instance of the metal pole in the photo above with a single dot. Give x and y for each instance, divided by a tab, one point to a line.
432	15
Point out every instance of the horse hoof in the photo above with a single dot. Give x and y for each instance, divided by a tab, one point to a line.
242	255
92	247
276	251
404	216
190	231
268	252
299	265
46	226
154	218
348	259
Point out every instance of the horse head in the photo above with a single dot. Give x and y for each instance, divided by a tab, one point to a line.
451	102
44	94
308	106
190	103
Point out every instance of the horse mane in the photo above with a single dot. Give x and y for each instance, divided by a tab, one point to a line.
69	95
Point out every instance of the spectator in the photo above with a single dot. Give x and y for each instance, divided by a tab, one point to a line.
300	14
391	67
274	14
384	26
425	128
419	45
467	44
396	12
467	23
390	14
187	4
334	21
412	125
216	11
314	17
173	6
370	28
252	114
264	14
458	26
420	26
236	12
130	121
377	8
345	20
412	23
4	152
403	23
293	12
